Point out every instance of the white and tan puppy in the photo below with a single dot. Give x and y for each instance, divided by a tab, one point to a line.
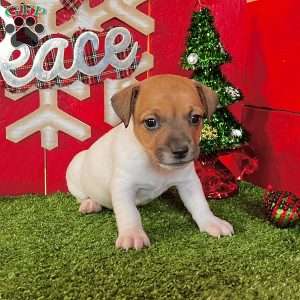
132	164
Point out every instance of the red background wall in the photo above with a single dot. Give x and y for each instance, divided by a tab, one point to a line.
272	104
261	37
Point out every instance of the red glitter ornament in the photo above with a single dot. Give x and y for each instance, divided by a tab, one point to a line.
217	181
241	162
219	173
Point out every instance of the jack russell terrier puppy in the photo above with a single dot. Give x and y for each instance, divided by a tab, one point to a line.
132	164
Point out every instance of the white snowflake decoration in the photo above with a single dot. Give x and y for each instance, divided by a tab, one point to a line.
48	118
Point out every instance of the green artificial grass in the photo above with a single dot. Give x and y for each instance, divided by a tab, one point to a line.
49	251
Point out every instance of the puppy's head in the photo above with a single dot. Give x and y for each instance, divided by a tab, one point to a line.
168	113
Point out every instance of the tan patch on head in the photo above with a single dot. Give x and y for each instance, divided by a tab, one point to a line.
170	99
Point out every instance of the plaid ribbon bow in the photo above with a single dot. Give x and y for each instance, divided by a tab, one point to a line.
72	5
92	57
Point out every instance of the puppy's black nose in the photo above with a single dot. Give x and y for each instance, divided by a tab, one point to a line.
180	152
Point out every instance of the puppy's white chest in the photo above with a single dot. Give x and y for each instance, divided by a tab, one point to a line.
148	192
156	183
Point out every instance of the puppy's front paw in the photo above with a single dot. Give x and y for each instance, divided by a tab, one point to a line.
216	227
132	239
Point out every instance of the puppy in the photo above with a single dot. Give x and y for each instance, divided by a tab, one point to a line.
132	164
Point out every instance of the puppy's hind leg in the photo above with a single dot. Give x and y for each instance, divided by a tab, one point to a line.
73	177
89	206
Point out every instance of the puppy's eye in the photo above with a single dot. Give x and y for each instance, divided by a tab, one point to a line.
195	119
151	123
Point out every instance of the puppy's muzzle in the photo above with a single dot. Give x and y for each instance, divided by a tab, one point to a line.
176	152
180	152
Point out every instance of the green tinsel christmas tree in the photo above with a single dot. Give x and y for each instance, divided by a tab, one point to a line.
204	55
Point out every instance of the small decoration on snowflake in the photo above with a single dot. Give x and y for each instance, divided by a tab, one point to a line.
193	58
236	133
232	92
209	133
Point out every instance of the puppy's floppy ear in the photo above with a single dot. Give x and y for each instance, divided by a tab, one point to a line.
208	97
123	103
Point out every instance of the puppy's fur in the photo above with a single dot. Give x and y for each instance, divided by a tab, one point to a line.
135	163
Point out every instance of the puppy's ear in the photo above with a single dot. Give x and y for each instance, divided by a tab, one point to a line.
123	103
208	97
